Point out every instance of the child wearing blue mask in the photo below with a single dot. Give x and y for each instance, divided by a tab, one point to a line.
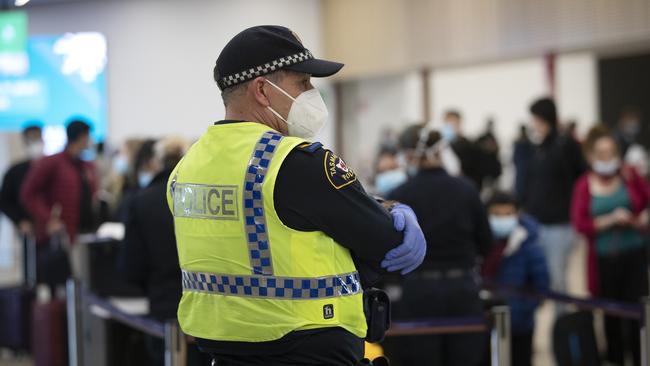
517	261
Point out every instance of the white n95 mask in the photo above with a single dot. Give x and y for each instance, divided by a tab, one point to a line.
307	115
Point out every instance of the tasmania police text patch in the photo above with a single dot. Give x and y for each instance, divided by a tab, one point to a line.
337	172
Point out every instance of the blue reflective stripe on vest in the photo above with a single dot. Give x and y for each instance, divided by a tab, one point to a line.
271	286
256	230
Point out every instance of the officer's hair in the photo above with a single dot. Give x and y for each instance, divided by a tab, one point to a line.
232	93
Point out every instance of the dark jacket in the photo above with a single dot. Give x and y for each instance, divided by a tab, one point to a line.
522	153
469	156
10	203
523	265
489	162
57	179
149	258
552	169
452	218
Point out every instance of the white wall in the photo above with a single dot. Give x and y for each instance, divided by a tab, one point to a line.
161	53
577	89
505	90
371	106
502	91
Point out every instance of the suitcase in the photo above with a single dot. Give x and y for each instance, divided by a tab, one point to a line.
48	327
574	340
49	333
15	305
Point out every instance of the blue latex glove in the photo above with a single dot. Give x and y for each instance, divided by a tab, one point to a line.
409	255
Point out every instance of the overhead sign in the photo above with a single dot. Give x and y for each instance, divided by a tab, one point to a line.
13	43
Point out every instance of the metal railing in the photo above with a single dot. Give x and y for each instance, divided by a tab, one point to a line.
79	299
645	327
497	324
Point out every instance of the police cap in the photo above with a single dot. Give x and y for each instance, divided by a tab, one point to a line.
264	49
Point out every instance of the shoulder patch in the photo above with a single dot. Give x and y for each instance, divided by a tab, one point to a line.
310	147
337	172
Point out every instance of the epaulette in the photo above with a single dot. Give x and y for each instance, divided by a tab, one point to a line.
310	147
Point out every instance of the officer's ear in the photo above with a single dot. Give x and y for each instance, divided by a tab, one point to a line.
258	91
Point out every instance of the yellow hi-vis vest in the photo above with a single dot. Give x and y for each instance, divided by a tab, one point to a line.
246	276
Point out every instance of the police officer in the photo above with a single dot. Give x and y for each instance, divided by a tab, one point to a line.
276	236
456	227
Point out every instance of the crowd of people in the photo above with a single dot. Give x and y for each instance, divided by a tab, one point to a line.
475	232
524	236
55	199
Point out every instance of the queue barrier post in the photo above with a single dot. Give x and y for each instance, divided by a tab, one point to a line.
645	327
175	345
73	311
500	336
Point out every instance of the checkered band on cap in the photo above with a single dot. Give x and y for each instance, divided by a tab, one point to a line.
283	288
267	68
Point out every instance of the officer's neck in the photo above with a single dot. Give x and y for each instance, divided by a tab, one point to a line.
236	114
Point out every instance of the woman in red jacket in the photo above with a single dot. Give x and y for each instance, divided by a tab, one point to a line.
610	208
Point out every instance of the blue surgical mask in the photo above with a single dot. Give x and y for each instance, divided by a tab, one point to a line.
389	180
88	154
144	178
503	226
448	133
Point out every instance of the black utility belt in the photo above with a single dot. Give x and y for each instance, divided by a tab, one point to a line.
376	306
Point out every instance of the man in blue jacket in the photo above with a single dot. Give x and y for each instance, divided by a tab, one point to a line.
516	261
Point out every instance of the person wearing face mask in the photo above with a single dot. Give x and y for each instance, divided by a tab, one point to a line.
468	153
518	261
456	228
145	168
610	208
628	130
59	190
277	239
14	179
629	135
138	177
554	164
390	174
